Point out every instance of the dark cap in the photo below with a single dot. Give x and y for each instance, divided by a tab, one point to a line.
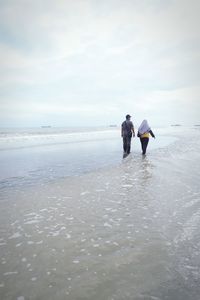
128	116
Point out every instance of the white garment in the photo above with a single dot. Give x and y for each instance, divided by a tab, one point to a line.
144	127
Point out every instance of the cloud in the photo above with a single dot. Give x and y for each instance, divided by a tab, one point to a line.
65	56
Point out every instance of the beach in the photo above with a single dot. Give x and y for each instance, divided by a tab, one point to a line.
80	222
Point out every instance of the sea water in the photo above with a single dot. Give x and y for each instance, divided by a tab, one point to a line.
32	155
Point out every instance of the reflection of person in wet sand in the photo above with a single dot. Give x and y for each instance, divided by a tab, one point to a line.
143	133
146	170
127	130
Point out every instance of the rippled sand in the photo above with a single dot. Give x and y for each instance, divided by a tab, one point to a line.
128	232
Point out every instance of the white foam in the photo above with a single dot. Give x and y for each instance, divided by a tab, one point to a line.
127	185
24	259
107	225
10	273
33	278
30	242
76	261
31	222
15	236
84	193
40	242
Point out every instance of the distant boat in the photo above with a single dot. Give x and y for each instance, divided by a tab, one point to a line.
176	125
113	125
46	126
197	125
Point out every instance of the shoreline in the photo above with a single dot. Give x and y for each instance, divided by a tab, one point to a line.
124	232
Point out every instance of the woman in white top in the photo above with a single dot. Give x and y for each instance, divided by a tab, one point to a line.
143	133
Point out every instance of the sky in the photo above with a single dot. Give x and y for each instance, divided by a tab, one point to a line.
91	62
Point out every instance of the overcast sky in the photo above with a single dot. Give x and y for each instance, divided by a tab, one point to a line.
90	62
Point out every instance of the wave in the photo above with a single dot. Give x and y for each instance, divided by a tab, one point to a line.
13	139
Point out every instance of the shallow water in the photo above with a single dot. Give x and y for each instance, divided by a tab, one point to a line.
125	232
27	159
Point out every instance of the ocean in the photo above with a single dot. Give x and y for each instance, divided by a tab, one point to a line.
32	155
77	221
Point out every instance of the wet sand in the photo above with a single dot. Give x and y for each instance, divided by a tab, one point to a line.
125	232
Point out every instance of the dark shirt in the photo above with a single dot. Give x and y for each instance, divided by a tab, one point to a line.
127	127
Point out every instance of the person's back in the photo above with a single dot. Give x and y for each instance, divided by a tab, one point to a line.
143	133
127	129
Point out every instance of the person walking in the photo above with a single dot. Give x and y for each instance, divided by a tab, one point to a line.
127	131
143	133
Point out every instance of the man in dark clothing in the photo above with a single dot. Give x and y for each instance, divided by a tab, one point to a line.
127	131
